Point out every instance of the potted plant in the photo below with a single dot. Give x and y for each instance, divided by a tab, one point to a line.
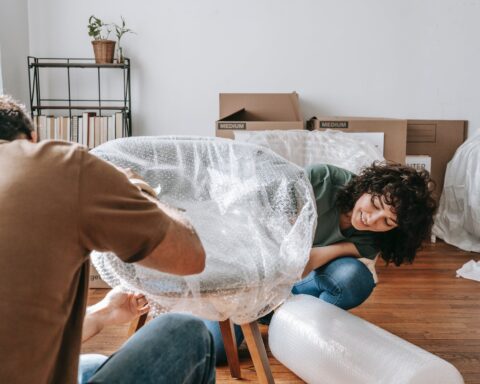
103	48
121	30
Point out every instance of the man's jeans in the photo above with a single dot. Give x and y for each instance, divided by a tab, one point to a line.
170	349
344	282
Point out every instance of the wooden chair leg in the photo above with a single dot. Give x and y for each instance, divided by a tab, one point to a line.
136	324
258	353
230	343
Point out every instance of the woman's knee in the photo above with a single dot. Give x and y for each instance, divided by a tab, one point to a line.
345	282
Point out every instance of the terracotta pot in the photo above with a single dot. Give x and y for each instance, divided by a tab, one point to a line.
104	51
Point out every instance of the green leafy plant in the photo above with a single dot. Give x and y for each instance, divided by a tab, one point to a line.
97	29
121	30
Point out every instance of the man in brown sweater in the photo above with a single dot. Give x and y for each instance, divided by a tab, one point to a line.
58	203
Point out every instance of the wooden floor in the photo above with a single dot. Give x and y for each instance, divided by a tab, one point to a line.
423	303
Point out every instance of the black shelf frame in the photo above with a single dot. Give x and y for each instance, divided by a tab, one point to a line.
39	104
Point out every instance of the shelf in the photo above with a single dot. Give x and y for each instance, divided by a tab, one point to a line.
38	104
37	108
77	65
39	62
83	100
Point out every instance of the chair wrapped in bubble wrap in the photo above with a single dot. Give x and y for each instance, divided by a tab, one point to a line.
253	211
255	214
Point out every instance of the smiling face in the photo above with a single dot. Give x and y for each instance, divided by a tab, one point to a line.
373	214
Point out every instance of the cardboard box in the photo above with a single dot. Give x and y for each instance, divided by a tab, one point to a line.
395	130
94	279
438	139
258	111
420	162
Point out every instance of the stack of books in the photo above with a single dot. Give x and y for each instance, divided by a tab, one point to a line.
87	129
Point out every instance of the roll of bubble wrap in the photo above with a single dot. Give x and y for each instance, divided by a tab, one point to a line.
322	343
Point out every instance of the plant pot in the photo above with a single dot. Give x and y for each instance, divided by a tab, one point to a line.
104	51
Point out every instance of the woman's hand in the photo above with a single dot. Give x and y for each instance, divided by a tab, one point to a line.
116	308
122	307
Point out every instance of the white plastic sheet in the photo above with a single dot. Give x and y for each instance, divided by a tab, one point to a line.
470	270
253	210
458	218
310	147
324	344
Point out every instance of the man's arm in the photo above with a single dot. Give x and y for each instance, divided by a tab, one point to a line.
181	251
116	308
144	230
322	255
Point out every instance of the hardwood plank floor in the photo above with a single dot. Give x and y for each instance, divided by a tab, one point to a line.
423	303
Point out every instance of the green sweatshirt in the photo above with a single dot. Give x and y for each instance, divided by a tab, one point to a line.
326	181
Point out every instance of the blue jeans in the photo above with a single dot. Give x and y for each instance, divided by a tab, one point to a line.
344	282
170	349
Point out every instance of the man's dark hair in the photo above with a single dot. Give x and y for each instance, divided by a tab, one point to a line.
409	192
14	120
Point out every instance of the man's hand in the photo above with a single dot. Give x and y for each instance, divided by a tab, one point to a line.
116	308
138	181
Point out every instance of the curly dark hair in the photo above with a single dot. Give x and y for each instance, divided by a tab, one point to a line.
409	192
14	120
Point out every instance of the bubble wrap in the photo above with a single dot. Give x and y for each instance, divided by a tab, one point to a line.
254	213
310	147
322	343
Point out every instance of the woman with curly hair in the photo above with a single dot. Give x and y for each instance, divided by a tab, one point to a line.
385	210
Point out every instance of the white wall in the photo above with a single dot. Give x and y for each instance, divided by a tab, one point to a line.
14	48
389	58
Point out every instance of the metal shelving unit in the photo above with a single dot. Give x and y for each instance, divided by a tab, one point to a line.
39	103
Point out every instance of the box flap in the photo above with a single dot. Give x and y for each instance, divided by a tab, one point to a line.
260	107
395	131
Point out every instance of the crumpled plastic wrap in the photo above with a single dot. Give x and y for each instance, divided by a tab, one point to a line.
310	147
253	211
470	270
458	219
322	343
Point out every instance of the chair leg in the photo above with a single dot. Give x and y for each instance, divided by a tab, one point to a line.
136	324
230	343
258	353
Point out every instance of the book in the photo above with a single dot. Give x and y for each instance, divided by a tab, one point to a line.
42	127
118	125
111	127
36	126
50	128
56	128
74	129
80	130
88	137
91	131
66	128
103	129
